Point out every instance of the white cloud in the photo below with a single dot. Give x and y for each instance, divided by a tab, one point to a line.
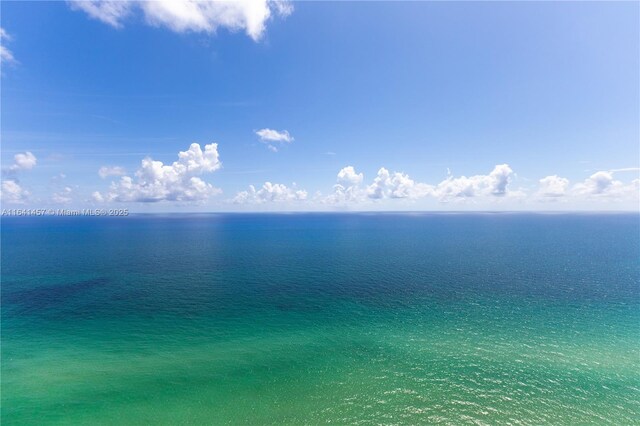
24	161
553	186
600	185
96	196
270	192
347	188
385	185
347	176
343	194
492	189
63	196
270	137
110	12
495	183
12	192
625	169
603	184
106	171
180	16
499	178
393	185
155	181
396	185
6	56
283	8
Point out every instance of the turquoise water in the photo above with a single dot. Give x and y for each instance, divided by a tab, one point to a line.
322	318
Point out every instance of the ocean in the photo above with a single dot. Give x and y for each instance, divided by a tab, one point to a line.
292	319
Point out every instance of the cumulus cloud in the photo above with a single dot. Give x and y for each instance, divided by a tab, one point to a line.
347	187
603	184
13	193
271	137
181	16
553	186
63	196
495	184
155	181
6	56
270	192
347	176
499	178
24	161
396	185
106	171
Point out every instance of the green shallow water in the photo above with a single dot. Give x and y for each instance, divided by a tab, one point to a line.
315	319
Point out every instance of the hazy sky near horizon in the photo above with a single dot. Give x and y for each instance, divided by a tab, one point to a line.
320	105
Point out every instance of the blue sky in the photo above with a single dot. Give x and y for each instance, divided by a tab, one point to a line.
466	106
